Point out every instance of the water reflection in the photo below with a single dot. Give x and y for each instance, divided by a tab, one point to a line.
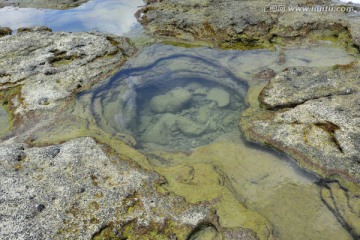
112	16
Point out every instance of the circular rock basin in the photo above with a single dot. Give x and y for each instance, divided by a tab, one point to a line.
177	100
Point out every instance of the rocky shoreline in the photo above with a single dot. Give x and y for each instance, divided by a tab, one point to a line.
78	188
82	188
246	24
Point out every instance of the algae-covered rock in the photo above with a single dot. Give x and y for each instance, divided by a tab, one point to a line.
75	190
170	102
53	4
160	132
190	127
344	204
5	31
220	96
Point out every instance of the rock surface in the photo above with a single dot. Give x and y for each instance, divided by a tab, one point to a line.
313	115
53	66
75	190
232	23
54	4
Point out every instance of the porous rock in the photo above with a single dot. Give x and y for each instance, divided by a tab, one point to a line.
233	23
312	114
75	191
54	66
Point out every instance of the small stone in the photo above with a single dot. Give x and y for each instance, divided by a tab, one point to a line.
43	101
170	102
40	207
21	156
220	96
160	132
53	152
189	127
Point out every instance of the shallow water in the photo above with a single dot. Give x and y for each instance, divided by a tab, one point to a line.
249	187
4	121
111	16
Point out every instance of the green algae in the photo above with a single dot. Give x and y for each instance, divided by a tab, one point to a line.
7	117
4	121
131	232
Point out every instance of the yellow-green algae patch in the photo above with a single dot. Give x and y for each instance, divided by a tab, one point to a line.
6	109
251	189
4	121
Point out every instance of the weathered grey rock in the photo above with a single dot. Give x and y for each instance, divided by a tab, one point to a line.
170	102
53	66
233	23
313	115
76	191
54	4
220	96
300	84
316	120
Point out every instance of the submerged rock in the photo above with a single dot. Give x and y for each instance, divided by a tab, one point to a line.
54	4
170	102
189	127
54	66
220	96
81	192
160	132
345	204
